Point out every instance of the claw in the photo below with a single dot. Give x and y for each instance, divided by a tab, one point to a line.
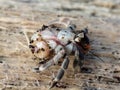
60	72
53	84
57	78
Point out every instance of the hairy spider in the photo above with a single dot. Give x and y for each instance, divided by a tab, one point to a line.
53	42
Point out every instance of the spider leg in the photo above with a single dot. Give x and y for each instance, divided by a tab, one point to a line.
59	54
61	72
79	59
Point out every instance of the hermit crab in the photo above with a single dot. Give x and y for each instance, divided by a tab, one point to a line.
58	40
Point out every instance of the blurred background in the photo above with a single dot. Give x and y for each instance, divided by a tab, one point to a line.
104	8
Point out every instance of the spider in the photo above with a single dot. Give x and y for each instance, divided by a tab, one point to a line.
54	42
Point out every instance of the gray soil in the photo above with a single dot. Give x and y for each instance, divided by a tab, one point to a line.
102	17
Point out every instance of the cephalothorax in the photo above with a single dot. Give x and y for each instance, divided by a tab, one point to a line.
53	42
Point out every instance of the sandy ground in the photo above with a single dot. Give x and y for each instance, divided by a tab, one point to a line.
16	61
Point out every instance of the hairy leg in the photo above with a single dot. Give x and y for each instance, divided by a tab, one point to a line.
59	54
61	72
78	61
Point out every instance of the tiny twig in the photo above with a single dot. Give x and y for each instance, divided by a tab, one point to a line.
28	41
25	46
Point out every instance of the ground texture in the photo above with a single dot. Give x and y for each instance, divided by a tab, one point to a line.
16	63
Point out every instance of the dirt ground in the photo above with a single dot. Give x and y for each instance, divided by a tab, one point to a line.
17	63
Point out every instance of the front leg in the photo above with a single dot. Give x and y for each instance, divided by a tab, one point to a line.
60	52
60	72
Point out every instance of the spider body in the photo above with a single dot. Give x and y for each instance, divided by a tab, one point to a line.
61	43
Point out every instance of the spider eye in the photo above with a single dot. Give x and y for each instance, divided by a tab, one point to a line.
31	41
42	49
58	29
31	46
44	27
60	48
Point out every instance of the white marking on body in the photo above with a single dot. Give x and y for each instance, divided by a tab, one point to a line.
65	36
41	68
35	36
